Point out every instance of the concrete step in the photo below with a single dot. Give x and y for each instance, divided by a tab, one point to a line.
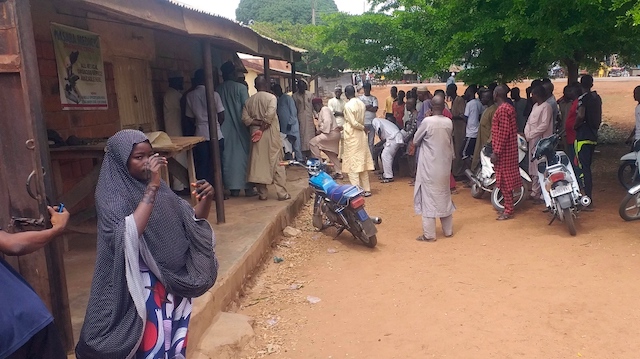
226	337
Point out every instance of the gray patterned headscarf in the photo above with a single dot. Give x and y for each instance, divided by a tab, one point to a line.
178	248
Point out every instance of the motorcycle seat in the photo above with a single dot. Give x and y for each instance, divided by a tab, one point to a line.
336	193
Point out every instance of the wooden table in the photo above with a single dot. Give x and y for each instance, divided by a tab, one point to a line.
87	184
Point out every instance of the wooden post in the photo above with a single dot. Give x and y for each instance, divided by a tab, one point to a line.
267	72
213	131
293	76
24	138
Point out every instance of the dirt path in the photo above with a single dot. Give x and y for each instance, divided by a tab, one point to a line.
515	289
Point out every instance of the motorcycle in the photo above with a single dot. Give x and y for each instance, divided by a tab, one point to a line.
558	182
628	170
484	179
630	207
339	206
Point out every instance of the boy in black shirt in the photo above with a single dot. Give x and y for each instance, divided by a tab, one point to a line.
587	124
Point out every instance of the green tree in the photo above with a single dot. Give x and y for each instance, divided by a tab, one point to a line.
497	39
317	61
366	41
276	11
633	12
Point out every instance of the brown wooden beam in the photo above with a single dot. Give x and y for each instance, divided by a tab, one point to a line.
293	76
213	131
25	149
267	70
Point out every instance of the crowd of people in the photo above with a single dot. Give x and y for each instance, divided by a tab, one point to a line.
345	130
439	152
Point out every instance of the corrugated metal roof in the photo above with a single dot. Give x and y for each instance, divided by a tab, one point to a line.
190	7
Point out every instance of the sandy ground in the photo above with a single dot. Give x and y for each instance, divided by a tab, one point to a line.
514	289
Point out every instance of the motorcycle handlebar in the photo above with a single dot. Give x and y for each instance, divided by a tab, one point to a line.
296	163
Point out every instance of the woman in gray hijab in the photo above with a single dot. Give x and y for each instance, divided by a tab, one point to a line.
155	253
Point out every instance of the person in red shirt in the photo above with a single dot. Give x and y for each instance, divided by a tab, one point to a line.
504	132
570	132
399	108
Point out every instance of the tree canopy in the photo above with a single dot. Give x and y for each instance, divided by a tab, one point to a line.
318	61
276	11
501	40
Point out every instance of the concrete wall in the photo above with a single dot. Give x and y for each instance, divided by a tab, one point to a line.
327	85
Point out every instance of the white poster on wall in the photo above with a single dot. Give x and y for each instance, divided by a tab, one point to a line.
80	68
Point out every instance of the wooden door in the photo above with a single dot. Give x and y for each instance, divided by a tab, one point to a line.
25	155
135	94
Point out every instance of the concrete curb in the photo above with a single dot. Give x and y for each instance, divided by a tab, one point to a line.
225	291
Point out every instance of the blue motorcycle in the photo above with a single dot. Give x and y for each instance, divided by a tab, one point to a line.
339	206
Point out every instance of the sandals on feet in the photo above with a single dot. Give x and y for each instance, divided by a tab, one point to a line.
338	176
386	180
504	217
367	194
287	197
425	239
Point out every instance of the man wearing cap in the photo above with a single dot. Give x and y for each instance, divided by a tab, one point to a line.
328	138
336	105
173	121
260	114
371	108
423	105
303	99
237	143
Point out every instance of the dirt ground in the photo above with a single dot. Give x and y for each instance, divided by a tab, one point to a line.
514	289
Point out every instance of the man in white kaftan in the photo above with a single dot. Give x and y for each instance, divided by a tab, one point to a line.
390	133
328	138
432	195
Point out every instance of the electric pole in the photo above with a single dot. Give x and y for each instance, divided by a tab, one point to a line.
313	12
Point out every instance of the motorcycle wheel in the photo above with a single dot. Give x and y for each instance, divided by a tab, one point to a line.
569	220
358	232
476	191
630	207
628	174
497	199
320	220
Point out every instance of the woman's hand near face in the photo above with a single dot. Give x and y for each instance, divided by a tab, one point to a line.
153	168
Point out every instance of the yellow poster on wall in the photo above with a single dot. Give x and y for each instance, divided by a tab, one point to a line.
80	68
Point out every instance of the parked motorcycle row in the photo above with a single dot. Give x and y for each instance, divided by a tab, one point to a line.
342	206
560	188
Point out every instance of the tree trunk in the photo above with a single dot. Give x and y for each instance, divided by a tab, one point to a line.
572	71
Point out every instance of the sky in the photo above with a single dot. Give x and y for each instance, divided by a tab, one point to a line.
227	8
